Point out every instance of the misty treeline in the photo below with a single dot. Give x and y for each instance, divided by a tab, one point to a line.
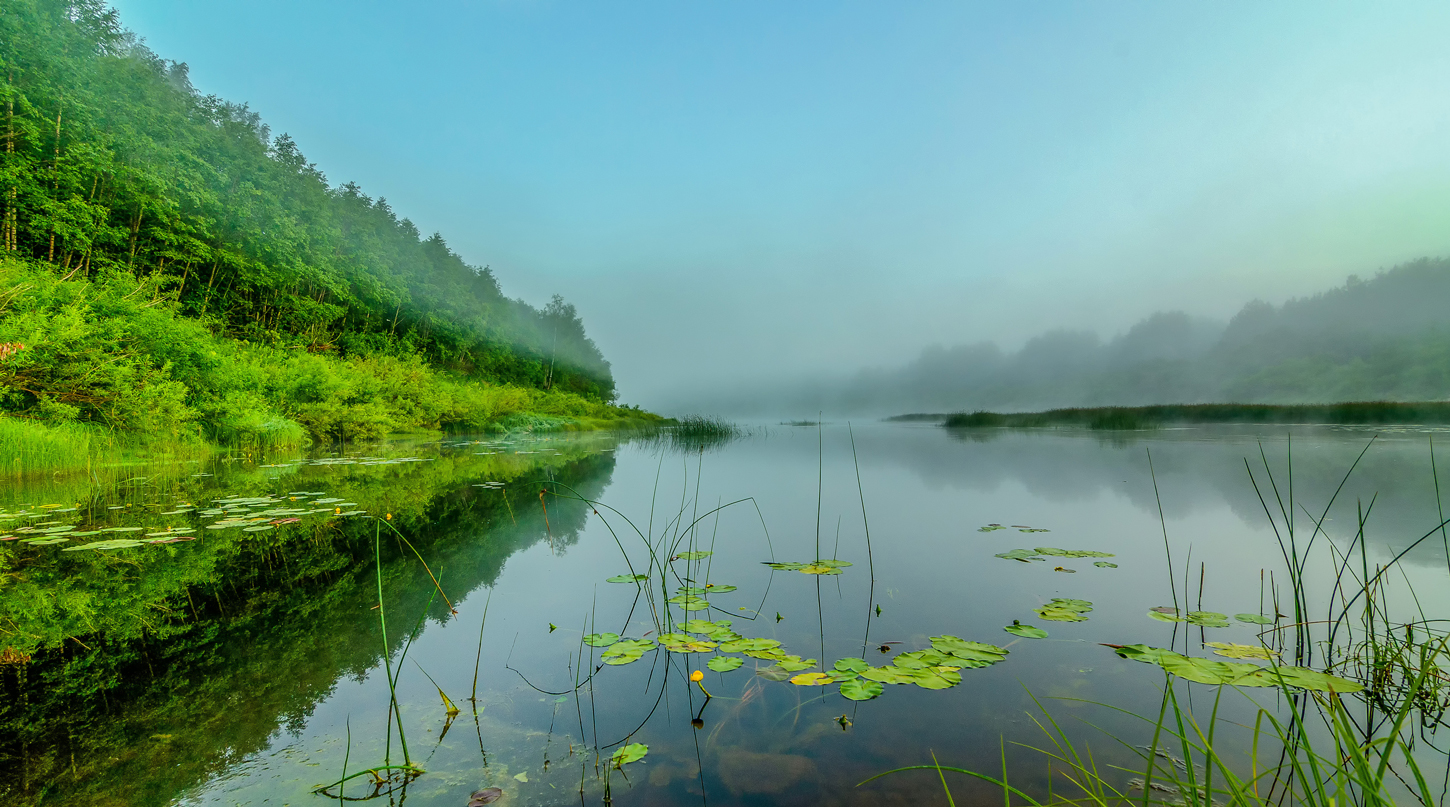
114	164
1382	339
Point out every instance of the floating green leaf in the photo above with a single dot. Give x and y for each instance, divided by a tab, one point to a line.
624	755
1254	619
773	674
625	651
1025	631
859	689
818	568
1065	610
722	664
704	626
689	603
936	677
1166	616
601	639
627	578
838	564
811	679
795	663
697	555
690	591
991	528
749	645
786	567
1072	553
712	588
116	543
889	675
1231	650
854	665
1208	619
1023	555
1205	671
964	653
1102	564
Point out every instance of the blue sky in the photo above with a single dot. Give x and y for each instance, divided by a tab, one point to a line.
748	191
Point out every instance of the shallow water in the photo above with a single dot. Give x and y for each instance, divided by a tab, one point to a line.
247	667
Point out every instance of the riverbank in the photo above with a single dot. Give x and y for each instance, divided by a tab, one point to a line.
107	363
1148	417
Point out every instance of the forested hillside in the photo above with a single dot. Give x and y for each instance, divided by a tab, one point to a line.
1381	339
118	175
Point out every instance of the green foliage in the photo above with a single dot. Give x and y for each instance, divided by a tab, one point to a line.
110	355
1147	417
115	166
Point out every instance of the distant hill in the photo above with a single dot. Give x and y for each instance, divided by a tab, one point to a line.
1381	339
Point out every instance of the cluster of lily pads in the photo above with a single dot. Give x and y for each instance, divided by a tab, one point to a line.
1208	671
247	513
937	667
1044	552
262	513
1017	527
1205	619
828	566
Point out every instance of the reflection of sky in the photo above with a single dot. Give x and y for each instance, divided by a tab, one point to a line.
927	493
764	190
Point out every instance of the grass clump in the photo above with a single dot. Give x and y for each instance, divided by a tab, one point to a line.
27	445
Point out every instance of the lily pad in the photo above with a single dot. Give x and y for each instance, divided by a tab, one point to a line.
689	603
627	578
837	564
1102	564
859	689
722	664
1166	616
854	665
942	677
773	673
786	567
601	639
1026	631
966	653
712	588
1072	553
697	555
704	626
625	651
889	675
811	679
1208	619
624	755
991	528
1206	671
747	645
1023	555
115	543
1254	619
1065	610
795	663
1231	650
817	568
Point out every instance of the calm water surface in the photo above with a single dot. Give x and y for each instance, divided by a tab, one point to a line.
245	666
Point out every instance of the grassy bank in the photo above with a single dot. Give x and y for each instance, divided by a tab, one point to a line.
106	362
1147	417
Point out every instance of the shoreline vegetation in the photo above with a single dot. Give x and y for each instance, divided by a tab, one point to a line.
174	275
1128	418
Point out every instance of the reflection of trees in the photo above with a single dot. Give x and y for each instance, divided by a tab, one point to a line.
226	640
1196	468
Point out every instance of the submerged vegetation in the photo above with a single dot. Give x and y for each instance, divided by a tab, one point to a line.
169	270
1148	417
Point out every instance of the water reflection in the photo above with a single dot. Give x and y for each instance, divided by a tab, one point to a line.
244	667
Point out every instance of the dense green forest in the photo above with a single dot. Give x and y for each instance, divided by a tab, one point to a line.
169	266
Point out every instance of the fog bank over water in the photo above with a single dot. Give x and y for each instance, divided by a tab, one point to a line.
1381	338
750	203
